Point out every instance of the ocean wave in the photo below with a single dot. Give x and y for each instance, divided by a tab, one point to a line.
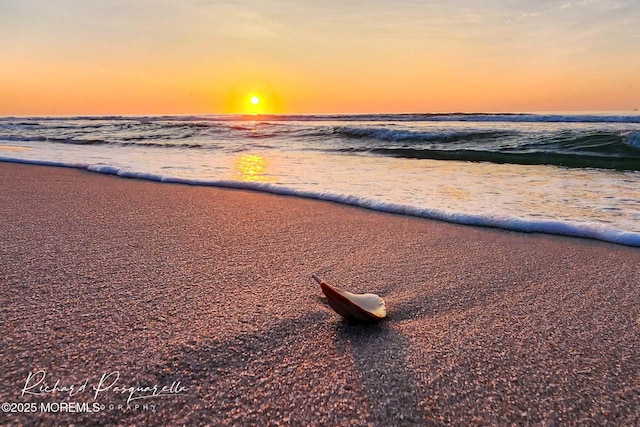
589	230
540	118
131	141
579	149
406	117
127	132
594	146
632	139
400	135
445	117
540	158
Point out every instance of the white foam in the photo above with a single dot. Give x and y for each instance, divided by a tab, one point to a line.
552	118
589	230
632	139
472	117
43	163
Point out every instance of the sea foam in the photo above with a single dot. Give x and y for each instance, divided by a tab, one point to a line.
589	230
632	139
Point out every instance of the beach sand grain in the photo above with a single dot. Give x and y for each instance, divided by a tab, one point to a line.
210	290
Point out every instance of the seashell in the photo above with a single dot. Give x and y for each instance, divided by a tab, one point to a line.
362	307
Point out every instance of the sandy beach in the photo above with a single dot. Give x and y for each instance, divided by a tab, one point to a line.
126	302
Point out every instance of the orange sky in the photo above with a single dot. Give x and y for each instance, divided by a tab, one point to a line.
199	57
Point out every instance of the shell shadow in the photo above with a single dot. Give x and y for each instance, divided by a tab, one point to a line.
379	353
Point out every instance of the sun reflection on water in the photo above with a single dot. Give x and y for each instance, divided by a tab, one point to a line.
251	168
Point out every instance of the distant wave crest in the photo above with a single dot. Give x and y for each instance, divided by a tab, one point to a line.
386	134
589	149
375	134
206	120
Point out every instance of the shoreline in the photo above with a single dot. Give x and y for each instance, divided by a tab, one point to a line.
211	288
575	229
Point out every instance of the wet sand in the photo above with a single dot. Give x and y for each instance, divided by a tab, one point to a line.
113	288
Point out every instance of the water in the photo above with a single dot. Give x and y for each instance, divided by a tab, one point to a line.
568	174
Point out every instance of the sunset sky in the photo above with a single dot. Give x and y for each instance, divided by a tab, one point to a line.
62	57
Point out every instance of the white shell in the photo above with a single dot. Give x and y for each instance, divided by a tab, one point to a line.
363	307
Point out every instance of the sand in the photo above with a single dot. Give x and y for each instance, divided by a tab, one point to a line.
112	284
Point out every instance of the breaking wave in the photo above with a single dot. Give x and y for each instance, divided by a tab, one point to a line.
581	146
589	230
578	149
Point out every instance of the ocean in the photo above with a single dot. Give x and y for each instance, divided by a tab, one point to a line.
569	174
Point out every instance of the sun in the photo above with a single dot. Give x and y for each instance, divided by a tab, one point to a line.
251	101
254	104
